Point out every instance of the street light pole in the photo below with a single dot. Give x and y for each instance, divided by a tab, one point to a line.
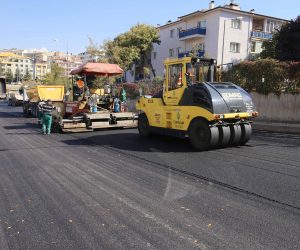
222	60
67	58
34	65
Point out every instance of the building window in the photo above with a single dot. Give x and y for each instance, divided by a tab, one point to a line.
202	24
256	47
235	47
236	24
178	50
171	52
154	55
272	26
200	47
172	33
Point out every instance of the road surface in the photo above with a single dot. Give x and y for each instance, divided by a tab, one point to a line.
111	189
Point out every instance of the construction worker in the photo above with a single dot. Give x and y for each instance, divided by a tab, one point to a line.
40	112
47	109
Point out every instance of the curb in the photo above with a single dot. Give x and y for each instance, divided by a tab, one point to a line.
277	127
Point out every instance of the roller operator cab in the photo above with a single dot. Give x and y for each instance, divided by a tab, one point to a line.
211	114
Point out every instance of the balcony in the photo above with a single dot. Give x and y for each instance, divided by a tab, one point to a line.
188	53
262	35
192	33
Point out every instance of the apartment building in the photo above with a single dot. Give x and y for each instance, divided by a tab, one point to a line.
16	63
66	61
38	62
87	57
225	33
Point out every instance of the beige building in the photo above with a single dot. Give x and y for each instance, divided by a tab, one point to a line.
66	61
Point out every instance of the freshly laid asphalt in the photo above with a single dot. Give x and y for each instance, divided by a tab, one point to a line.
111	189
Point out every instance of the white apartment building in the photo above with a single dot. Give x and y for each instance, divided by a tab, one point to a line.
225	33
87	57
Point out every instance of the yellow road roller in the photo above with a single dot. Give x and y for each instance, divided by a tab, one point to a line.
191	104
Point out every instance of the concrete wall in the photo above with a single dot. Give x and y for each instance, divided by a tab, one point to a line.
283	108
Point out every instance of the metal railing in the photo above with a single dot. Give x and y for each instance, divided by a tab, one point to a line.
261	34
192	31
190	53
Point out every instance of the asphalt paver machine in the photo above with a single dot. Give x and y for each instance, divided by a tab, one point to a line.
96	110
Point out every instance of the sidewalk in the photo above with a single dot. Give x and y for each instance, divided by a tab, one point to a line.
293	128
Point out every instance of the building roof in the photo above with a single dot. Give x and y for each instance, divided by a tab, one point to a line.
7	54
12	55
231	10
222	9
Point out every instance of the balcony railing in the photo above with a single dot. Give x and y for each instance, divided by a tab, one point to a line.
260	34
192	31
189	53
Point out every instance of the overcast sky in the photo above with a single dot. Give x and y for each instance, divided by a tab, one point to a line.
37	23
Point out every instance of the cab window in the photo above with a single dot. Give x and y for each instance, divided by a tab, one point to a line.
174	76
196	73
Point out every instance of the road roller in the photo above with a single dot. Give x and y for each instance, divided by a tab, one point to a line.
193	104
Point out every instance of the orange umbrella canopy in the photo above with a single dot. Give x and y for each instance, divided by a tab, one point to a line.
100	69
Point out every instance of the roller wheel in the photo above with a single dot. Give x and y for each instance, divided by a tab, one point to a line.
235	135
143	125
224	136
214	136
200	135
246	133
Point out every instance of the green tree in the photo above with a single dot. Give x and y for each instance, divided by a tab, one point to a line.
27	75
133	46
17	77
284	45
1	71
57	76
9	76
96	51
269	47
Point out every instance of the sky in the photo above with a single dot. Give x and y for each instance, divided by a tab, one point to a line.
66	25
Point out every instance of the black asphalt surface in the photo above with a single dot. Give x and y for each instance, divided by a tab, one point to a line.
111	189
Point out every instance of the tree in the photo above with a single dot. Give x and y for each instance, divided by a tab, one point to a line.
9	76
269	47
285	43
97	53
133	46
17	77
1	71
27	75
56	76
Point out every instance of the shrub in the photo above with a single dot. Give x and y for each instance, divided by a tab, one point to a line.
132	90
151	87
266	76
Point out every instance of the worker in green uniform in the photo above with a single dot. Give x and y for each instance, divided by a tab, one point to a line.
47	109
